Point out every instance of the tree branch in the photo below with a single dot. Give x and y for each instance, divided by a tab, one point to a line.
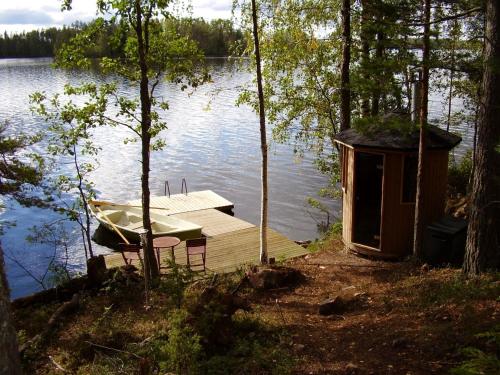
449	18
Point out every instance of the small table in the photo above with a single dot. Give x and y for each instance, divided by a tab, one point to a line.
163	243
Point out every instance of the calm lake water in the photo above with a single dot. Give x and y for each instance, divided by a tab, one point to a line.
215	148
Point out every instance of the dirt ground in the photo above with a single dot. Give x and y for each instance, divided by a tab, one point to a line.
406	319
403	318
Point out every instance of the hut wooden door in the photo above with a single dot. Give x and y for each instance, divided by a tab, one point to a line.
368	176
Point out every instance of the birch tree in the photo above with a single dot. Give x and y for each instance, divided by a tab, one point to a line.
263	138
152	53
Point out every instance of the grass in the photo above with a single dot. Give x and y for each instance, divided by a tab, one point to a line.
447	285
481	360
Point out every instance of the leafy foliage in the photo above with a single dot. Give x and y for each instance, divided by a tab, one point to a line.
19	169
302	51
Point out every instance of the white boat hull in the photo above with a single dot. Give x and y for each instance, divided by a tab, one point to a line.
128	220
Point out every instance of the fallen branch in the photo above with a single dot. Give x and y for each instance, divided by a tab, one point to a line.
243	280
113	349
64	309
58	366
281	312
345	265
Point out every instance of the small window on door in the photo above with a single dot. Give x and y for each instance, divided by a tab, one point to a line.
409	190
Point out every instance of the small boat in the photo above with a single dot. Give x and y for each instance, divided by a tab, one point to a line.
128	220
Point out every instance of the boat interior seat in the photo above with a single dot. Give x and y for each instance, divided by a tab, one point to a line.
125	219
113	215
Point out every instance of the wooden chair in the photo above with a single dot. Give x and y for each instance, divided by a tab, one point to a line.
131	252
194	248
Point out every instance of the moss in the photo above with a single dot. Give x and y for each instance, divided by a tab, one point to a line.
396	125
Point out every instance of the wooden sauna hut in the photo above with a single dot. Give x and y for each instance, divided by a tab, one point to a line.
379	181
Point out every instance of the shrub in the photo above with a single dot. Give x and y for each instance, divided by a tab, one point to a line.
174	284
459	175
479	361
182	350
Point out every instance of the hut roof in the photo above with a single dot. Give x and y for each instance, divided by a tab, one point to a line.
437	139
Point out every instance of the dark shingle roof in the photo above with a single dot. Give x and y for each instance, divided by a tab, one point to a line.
437	139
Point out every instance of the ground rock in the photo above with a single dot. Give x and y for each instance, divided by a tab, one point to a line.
275	277
351	368
400	343
342	303
336	305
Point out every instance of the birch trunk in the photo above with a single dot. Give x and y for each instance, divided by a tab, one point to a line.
263	140
150	266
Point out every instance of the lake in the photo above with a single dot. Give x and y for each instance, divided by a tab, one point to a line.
216	148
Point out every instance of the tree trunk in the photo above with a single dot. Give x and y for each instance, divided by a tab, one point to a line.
9	352
263	140
345	91
365	54
379	53
483	241
151	265
419	201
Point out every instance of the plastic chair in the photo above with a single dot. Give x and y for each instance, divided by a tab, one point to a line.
131	252
194	248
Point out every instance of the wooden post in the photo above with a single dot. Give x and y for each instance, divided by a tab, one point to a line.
146	265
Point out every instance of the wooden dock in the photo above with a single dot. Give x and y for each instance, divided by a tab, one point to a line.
229	251
194	201
214	222
231	242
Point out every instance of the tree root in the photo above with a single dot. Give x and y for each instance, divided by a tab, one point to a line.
63	310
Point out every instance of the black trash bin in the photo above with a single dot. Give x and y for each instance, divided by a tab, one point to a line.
444	241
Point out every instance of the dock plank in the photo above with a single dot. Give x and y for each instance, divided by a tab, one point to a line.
227	252
180	203
214	222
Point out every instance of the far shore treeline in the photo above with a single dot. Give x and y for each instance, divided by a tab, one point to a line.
215	38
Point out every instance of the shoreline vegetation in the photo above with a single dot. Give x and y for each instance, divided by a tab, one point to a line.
215	38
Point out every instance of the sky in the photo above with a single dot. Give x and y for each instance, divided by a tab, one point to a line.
19	15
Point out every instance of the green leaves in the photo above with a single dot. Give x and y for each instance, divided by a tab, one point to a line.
17	168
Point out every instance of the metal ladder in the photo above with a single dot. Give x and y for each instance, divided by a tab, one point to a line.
184	188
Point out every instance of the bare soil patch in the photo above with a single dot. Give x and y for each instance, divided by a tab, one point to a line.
407	319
